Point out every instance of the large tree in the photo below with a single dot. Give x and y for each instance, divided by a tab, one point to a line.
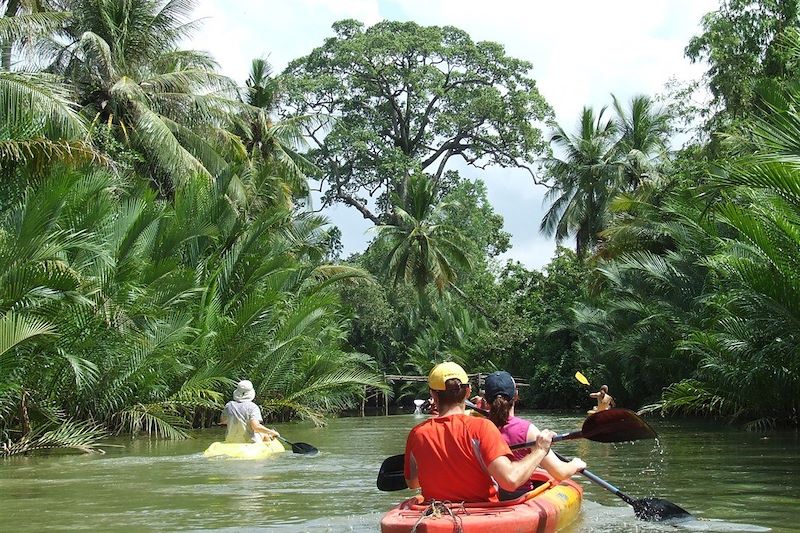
408	98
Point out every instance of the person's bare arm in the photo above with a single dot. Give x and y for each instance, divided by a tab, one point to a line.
511	474
413	481
560	469
258	428
554	466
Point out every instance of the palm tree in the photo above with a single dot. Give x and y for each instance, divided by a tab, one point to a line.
422	248
39	122
39	119
584	179
273	146
130	76
644	139
21	23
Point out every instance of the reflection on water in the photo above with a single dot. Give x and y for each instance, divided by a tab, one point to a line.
729	479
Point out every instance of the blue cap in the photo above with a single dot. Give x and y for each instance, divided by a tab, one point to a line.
500	383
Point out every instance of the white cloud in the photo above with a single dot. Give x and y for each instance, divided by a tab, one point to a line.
581	51
237	32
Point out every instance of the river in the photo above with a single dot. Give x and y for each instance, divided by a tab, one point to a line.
731	480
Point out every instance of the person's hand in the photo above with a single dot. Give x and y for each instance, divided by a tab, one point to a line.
578	464
271	433
544	439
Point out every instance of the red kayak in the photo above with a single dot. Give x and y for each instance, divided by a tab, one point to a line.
550	507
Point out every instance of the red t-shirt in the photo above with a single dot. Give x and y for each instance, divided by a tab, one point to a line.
452	454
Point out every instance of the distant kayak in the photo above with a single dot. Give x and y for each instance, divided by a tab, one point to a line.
548	508
235	450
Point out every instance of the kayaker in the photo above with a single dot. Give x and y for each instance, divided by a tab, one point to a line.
243	417
430	407
459	458
501	396
604	399
479	401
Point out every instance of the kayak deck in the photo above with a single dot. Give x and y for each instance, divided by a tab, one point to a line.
253	450
546	509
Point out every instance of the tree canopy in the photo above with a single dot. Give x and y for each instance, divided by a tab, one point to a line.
408	98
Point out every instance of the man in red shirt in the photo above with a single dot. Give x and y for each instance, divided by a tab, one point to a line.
457	457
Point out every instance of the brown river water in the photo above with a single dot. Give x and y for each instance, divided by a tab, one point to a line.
729	479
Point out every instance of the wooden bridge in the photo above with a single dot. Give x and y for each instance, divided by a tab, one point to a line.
476	380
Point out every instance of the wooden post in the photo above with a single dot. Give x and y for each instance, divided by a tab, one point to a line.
386	403
363	401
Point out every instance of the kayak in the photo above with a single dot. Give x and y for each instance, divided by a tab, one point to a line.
235	450
550	507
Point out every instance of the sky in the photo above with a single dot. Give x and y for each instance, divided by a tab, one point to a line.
582	51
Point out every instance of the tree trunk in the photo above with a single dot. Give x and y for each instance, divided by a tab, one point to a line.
5	52
23	414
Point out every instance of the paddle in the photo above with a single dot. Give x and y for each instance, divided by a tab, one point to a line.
612	425
300	447
580	377
650	509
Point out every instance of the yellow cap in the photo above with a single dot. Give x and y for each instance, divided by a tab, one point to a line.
444	371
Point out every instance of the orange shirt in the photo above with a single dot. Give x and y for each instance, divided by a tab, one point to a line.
452	453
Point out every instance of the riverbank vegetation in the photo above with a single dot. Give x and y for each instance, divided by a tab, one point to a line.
158	243
151	246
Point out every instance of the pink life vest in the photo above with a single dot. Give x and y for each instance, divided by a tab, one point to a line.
516	432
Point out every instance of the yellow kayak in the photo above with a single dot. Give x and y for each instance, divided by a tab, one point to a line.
235	450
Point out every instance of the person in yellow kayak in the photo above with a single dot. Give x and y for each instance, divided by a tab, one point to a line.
460	458
501	394
243	417
604	400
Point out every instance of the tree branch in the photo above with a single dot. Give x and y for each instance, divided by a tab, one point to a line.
352	201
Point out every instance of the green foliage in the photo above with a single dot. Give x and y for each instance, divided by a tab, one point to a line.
151	255
528	341
408	99
424	248
140	315
741	42
605	157
123	64
700	284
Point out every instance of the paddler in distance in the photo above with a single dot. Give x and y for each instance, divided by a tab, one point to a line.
243	417
604	400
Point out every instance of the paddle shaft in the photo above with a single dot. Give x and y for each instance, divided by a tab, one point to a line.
599	481
564	436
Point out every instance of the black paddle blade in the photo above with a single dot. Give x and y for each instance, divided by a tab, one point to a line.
390	476
304	448
616	425
658	510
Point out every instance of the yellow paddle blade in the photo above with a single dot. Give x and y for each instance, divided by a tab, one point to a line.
580	377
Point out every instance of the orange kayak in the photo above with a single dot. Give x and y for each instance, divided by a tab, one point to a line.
548	508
